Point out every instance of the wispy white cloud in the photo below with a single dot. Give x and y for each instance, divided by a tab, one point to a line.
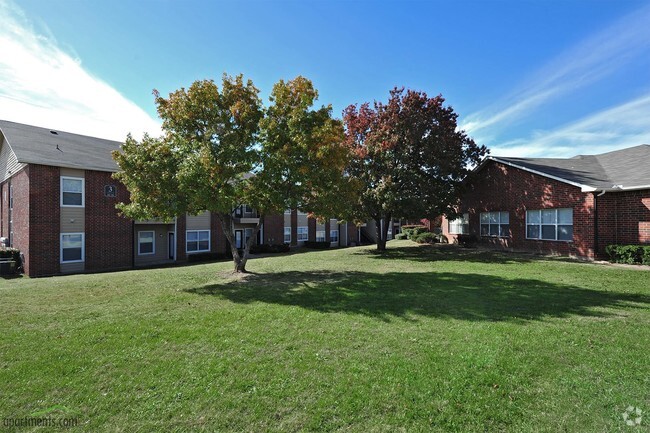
611	129
579	66
44	85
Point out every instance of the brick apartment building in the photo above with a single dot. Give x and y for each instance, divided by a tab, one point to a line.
58	207
569	206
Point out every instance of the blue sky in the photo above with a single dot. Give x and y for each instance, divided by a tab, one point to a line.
527	78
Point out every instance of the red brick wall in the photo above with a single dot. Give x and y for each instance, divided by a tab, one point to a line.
181	254
311	229
20	213
623	218
498	187
218	241
353	236
274	229
4	209
109	237
44	221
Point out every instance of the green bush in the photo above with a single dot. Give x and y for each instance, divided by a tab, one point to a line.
317	245
412	231
467	241
628	254
426	238
206	257
270	248
401	236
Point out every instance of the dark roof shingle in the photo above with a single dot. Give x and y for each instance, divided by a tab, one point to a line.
620	169
35	145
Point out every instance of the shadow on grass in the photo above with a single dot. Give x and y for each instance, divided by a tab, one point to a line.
448	252
472	297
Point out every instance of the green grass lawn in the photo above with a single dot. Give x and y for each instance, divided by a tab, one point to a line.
417	339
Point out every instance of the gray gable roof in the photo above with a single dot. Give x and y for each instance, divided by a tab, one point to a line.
35	145
625	169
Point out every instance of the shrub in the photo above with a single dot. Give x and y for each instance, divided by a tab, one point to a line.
467	241
401	236
205	257
412	231
629	254
317	245
426	238
270	248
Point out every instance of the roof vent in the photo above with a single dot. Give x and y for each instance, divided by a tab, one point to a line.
54	132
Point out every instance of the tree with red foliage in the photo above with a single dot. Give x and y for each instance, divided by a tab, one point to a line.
408	156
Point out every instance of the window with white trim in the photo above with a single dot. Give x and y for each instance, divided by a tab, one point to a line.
334	235
72	191
495	224
550	224
320	235
72	247
146	243
303	233
287	235
459	226
197	241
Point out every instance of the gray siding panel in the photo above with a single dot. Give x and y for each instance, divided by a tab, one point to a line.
73	220
9	164
198	222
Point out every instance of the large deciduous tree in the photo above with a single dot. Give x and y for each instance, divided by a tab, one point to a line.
212	157
408	156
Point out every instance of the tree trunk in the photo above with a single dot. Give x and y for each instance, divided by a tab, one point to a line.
247	246
381	239
228	227
382	231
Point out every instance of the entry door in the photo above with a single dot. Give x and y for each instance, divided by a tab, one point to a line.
170	245
238	239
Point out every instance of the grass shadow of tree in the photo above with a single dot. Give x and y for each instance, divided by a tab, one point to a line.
472	297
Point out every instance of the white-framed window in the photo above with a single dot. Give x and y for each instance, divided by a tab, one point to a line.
72	247
197	241
334	235
72	191
550	224
146	243
303	233
459	226
495	224
320	235
287	235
